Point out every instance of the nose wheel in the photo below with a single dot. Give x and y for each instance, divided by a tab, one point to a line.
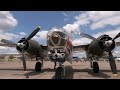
95	67
38	66
59	74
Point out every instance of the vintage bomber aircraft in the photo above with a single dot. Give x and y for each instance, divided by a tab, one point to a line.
59	49
101	47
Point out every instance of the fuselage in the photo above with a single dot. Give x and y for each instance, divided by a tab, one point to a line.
59	46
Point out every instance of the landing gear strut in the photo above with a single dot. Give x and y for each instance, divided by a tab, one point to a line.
38	67
55	65
94	65
39	64
60	72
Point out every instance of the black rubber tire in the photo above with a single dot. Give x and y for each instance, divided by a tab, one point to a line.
59	73
95	67
38	67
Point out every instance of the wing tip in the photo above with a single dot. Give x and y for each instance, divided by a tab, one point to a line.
39	27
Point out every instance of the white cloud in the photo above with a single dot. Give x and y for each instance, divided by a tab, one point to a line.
8	50
79	20
82	19
23	33
81	41
8	36
74	27
97	19
7	21
108	21
111	33
41	37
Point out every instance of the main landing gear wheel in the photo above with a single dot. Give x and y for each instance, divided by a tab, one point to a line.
38	67
59	74
95	67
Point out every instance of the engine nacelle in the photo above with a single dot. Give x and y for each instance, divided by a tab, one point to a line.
31	47
106	41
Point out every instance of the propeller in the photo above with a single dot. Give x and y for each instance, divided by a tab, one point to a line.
8	42
117	36
108	47
23	60
87	36
112	62
22	44
33	33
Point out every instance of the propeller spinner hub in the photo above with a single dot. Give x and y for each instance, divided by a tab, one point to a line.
108	43
21	45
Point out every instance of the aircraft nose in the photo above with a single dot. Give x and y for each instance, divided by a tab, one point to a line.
55	35
55	38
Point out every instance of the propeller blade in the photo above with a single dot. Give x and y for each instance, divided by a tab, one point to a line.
112	63
7	45
117	36
8	42
33	33
23	60
87	36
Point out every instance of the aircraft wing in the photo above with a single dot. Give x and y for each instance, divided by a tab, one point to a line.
80	47
117	43
44	47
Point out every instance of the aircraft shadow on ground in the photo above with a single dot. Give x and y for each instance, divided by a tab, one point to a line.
33	72
14	69
100	74
68	73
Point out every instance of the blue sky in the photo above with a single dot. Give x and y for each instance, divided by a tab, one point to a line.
29	20
17	24
46	19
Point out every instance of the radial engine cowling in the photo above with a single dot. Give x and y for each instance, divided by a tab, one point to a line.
31	47
105	42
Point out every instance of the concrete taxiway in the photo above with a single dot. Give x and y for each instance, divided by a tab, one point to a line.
76	70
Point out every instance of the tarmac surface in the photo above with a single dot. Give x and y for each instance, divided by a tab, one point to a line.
76	70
